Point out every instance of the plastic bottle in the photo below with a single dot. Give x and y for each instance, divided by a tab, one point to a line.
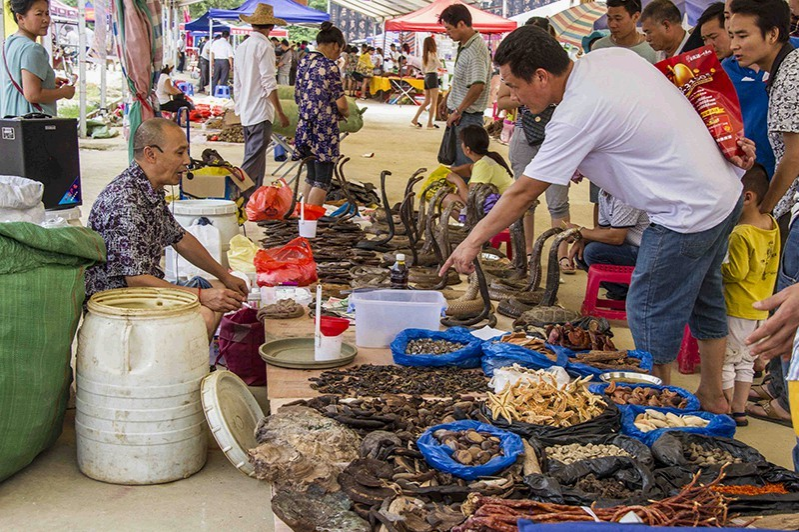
399	273
254	298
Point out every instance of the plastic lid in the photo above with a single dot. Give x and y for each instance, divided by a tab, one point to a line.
205	206
233	414
400	257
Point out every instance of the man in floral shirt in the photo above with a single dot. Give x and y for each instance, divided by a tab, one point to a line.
133	218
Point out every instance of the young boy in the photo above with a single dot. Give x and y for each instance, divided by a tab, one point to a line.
749	274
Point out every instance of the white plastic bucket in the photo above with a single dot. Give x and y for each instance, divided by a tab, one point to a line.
382	314
142	354
307	228
223	216
329	347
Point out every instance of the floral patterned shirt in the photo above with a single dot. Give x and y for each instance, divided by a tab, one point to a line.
136	224
784	118
317	89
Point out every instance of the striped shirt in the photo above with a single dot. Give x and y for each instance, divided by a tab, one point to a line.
472	65
615	214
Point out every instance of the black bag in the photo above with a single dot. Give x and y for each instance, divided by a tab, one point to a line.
448	150
559	487
607	422
670	449
637	449
534	126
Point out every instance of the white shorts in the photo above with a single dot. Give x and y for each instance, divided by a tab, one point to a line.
738	361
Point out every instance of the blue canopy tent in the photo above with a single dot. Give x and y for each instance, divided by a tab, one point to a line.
288	10
202	24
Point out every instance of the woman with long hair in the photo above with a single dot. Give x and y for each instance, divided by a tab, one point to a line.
430	66
321	104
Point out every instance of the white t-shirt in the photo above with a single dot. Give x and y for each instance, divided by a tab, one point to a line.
254	80
160	89
623	125
221	49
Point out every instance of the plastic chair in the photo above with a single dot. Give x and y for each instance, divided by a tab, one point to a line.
222	91
605	308
501	237
688	357
185	87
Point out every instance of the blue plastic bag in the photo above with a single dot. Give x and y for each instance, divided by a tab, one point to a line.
692	400
497	355
468	357
720	425
440	456
578	369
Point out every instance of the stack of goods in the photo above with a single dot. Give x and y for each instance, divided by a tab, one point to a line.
655	396
654	419
470	447
522	339
578	338
610	361
375	381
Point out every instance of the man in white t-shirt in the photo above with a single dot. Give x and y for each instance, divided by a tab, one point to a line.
221	59
625	126
661	23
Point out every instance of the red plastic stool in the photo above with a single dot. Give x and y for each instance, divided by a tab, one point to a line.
501	237
688	357
605	308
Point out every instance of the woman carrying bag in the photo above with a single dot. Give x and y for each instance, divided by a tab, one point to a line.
29	83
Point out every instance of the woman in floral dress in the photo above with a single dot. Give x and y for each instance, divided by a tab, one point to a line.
320	97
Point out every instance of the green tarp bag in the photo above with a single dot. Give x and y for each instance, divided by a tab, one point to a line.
41	299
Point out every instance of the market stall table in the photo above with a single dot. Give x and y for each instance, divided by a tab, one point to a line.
401	86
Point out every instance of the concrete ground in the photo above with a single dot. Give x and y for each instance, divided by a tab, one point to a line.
51	492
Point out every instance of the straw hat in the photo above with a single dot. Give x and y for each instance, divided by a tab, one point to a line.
264	16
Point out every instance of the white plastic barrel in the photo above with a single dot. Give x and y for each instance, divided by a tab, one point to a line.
142	354
221	213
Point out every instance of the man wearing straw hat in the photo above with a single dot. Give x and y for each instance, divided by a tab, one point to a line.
255	91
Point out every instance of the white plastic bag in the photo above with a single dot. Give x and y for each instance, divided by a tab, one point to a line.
209	236
21	200
510	375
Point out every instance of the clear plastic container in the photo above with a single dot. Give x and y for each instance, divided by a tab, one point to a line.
382	314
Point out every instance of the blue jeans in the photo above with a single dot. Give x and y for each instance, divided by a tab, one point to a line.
788	276
467	119
677	280
601	253
196	282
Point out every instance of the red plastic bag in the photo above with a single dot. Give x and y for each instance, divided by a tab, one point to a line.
699	75
290	264
312	212
269	202
240	336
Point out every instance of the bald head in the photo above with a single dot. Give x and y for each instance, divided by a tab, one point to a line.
153	132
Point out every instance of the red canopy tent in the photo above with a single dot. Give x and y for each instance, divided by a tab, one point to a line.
426	19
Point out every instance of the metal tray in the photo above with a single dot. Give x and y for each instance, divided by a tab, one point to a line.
298	353
630	377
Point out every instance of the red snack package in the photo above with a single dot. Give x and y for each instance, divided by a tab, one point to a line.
700	76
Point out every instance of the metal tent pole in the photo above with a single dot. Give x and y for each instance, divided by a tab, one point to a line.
82	66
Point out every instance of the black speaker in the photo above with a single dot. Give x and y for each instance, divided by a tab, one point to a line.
45	150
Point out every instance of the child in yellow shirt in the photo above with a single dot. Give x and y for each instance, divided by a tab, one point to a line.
487	166
749	273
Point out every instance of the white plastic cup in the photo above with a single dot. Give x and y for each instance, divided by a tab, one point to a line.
329	348
308	228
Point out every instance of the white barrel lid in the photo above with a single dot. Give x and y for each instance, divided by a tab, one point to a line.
204	207
233	414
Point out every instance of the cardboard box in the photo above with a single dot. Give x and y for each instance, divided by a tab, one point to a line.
215	182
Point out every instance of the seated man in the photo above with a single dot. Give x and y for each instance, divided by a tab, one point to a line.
137	225
615	239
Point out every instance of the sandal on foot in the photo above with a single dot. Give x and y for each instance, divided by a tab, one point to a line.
434	126
416	125
770	413
759	393
740	419
567	267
